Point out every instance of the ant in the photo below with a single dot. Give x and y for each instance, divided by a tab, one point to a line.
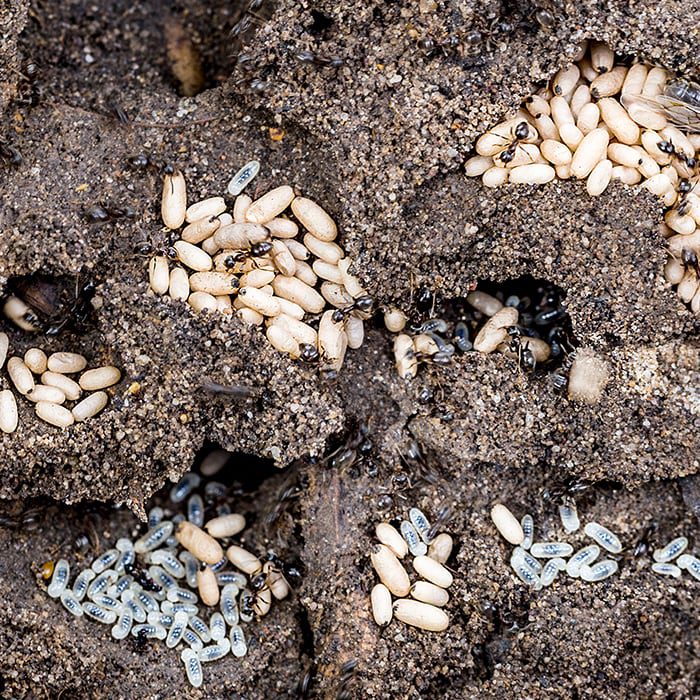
689	258
100	213
145	249
526	358
321	61
10	154
519	133
362	305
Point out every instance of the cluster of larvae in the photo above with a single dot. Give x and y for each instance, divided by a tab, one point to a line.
598	122
428	595
525	559
501	328
156	587
269	265
56	387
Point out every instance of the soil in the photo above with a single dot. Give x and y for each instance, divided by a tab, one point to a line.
379	141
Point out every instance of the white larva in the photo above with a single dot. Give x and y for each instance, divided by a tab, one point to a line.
415	545
201	230
282	340
69	387
355	332
191	638
214	651
169	585
665	569
107	602
59	578
104	561
270	205
174	200
671	550
137	611
50	394
494	332
420	522
54	414
225	525
204	209
171	608
244	560
283	228
147	601
599	178
207	586
99	378
71	603
177	630
243	178
227	603
94	611
390	571
158	275
179	285
604	537
546	550
34	358
18	312
122	584
81	583
199	543
283	259
495	177
123	626
551	569
602	57
530	561
421	615
405	356
388	535
154	537
441	548
193	667
430	593
193	257
507	524
691	564
525	573
315	219
90	406
433	571
599	571
239	648
217	628
9	417
380	600
588	377
184	487
224	577
569	517
20	375
528	526
246	604
533	174
589	153
195	510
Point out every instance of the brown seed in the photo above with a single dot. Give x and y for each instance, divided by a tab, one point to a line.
202	301
609	84
66	362
587	377
493	333
283	259
300	331
34	358
192	256
158	275
298	250
214	283
206	208
200	230
54	414
179	288
355	331
618	121
306	273
50	394
20	375
70	388
90	406
259	301
382	609
589	153
99	378
335	294
332	340
199	543
421	615
244	560
405	356
296	291
225	525
240	236
440	548
207	586
327	271
390	571
270	205
430	593
282	228
602	57
282	340
9	418
432	571
388	535
240	207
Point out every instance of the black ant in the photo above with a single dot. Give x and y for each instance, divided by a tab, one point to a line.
145	249
519	133
526	358
689	258
643	544
100	213
10	154
363	305
141	639
321	61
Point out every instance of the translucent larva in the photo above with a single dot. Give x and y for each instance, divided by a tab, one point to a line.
100	584
415	545
193	667
219	564
524	572
154	537
155	515
239	647
546	550
59	580
420	523
169	562
150	631
162	578
224	577
671	550
599	571
182	595
191	567
121	585
71	603
104	561
160	618
584	557
214	490
228	603
184	487
123	626
126	559
214	651
107	602
81	583
691	564
137	611
217	626
528	525
243	177
603	537
201	627
177	630
195	510
665	569
551	569
528	559
172	608
569	517
147	601
106	617
192	639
